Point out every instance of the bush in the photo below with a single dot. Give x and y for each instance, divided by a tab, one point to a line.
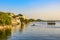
4	19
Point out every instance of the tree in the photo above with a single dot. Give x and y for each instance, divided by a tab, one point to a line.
31	20
4	19
20	15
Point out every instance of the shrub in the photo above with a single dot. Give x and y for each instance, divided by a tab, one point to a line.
4	19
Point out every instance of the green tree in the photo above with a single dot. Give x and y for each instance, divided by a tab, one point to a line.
31	20
4	19
20	15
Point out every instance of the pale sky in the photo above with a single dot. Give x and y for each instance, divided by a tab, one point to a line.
37	9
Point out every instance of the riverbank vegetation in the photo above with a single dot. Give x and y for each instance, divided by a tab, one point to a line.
12	19
5	19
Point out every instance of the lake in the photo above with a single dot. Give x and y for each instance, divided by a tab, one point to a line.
41	31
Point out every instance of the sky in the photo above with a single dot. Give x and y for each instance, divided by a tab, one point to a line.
37	9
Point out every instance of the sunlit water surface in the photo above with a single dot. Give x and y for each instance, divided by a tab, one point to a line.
41	31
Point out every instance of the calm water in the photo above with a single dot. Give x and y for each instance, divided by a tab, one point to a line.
41	31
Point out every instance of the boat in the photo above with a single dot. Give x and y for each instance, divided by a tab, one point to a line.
51	23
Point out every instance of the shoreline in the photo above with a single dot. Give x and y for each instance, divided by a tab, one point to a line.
7	27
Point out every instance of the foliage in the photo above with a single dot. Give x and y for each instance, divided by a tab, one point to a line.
22	19
20	15
14	16
26	21
31	20
4	19
38	20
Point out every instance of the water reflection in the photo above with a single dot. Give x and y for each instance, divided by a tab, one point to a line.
22	27
53	25
4	34
42	31
50	26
